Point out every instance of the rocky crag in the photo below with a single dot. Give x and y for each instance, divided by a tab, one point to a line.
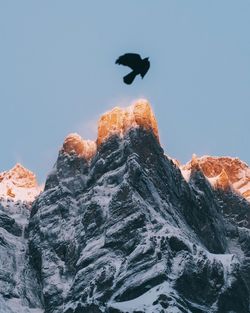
120	227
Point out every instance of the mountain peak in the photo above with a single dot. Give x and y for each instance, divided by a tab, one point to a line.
194	163
19	176
114	122
125	229
119	120
76	144
222	172
19	183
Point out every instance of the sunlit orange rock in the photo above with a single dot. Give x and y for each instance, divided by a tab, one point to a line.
246	194
110	123
212	166
222	181
19	183
21	177
194	164
1	177
144	116
223	172
10	193
119	120
74	143
115	122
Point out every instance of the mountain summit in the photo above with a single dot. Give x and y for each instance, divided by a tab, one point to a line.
118	121
19	184
122	228
222	172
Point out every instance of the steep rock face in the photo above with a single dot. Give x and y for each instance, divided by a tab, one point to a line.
19	289
123	231
118	228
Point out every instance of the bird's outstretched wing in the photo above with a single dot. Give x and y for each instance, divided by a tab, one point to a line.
129	59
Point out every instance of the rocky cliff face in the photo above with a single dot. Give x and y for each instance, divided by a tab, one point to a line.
119	229
19	289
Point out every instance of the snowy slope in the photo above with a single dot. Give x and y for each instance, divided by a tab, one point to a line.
18	287
121	228
123	231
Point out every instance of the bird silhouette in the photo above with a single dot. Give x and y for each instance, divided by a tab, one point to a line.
138	65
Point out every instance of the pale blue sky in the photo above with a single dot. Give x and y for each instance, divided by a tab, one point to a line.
57	73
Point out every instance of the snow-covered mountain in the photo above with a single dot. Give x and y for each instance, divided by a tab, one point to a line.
120	227
19	184
222	172
18	286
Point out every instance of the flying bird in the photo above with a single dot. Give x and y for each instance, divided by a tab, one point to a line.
138	65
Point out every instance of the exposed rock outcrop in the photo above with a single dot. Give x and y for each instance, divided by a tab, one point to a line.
223	172
83	148
118	121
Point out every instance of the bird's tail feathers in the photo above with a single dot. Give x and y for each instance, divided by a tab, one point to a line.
128	79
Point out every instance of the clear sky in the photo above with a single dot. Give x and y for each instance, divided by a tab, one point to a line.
57	74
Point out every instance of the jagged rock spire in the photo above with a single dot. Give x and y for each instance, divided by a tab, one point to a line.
115	122
119	120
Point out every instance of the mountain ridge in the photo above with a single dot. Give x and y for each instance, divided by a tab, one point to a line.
221	171
124	231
